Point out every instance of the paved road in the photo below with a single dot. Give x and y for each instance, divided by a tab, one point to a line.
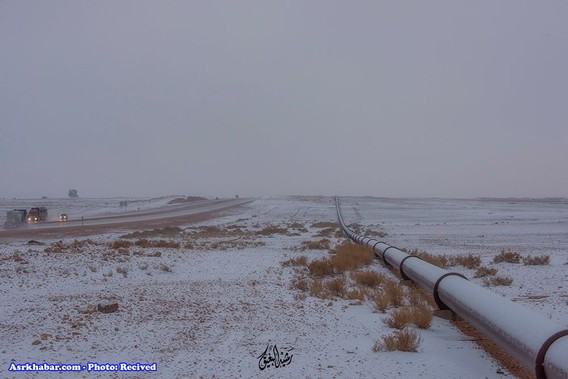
172	215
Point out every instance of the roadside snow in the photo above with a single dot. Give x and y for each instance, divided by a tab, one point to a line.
209	312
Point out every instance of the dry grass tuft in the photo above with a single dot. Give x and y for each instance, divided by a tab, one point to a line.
168	231
300	284
498	281
272	229
402	317
356	294
320	267
441	261
381	301
349	256
120	244
399	318
336	287
317	289
484	271
323	244
468	261
395	292
421	317
325	224
407	340
295	262
145	243
368	278
543	260
507	256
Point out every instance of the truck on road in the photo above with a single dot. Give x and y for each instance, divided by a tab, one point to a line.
15	218
37	214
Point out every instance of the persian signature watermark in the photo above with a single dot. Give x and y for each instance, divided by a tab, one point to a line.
272	357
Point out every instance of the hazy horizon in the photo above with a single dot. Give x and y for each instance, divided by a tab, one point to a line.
446	99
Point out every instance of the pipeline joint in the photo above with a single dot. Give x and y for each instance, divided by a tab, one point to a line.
437	299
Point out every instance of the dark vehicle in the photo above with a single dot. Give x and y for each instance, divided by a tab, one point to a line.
37	214
15	218
63	217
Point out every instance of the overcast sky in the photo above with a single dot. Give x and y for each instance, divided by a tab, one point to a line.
442	98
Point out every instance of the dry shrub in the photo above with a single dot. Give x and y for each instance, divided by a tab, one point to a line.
272	229
327	232
299	261
122	270
324	224
71	247
441	261
120	244
543	260
145	243
395	292
381	301
421	317
368	278
416	297
349	256
336	286
374	233
357	228
507	256
468	261
320	267
402	340
498	281
317	288
484	271
165	268
168	231
399	318
323	244
356	294
300	284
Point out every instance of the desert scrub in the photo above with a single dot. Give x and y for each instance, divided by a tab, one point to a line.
349	256
272	229
543	260
301	284
436	260
498	281
484	271
336	287
402	317
145	243
368	278
468	261
507	256
122	270
381	301
394	291
320	267
407	340
120	244
294	262
323	244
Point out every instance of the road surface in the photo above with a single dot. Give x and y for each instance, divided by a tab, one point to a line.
171	215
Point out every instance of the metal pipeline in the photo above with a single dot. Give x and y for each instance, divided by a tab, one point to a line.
533	340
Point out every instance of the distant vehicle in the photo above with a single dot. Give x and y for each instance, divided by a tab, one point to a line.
37	214
15	218
63	217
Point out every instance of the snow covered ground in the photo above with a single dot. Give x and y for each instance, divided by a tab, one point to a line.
212	306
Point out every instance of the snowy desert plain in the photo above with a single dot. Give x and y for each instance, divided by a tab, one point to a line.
207	299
